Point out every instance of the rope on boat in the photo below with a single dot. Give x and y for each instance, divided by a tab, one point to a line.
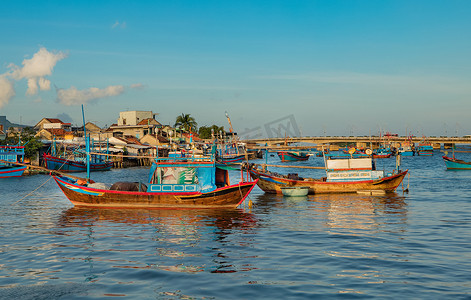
42	169
68	157
408	180
33	191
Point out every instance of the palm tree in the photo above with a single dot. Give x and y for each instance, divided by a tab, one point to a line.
185	122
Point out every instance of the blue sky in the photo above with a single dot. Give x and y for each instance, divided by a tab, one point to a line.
335	67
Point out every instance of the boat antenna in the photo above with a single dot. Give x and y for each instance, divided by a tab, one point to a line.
87	146
230	124
324	156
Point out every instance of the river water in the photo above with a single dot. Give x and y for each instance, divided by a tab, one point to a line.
413	245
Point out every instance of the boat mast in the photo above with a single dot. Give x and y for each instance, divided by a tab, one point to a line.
87	146
231	130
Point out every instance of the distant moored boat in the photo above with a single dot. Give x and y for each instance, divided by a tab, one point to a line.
13	154
456	164
292	156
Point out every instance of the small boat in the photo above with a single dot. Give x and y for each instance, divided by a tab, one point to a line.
424	150
230	159
75	165
343	176
292	156
383	152
227	154
456	164
382	155
407	148
13	154
297	191
173	183
75	161
406	151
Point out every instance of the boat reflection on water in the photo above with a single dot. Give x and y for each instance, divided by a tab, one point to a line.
359	214
220	218
177	237
341	213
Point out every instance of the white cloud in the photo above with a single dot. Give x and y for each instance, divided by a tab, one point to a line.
73	96
137	86
44	84
6	90
32	87
36	68
119	25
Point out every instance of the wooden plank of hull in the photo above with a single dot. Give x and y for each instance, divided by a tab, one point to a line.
274	184
227	197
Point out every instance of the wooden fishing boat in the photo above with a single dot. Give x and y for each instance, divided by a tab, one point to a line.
230	159
173	183
406	151
228	154
407	148
456	164
424	150
73	165
382	152
75	160
382	155
179	182
292	156
343	176
10	155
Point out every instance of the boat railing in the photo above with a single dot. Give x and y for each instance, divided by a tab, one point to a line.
184	159
12	150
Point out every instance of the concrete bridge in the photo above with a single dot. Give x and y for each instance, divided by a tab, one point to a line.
360	141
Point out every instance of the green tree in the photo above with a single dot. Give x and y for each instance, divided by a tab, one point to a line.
27	137
31	149
205	131
185	122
